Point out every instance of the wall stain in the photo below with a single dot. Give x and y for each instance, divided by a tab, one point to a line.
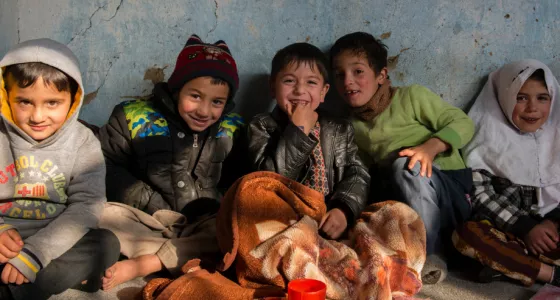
155	74
307	39
507	16
386	35
89	97
392	61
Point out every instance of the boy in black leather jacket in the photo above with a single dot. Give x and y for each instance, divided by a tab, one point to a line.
298	142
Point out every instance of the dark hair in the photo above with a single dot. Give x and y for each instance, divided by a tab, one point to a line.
300	53
218	81
26	74
362	43
538	75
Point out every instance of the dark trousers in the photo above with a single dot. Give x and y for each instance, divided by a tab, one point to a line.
87	260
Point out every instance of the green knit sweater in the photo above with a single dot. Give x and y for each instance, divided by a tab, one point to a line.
415	115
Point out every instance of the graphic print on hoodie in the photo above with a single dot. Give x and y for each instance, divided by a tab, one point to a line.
52	192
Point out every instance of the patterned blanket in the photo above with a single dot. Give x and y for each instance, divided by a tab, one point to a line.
267	229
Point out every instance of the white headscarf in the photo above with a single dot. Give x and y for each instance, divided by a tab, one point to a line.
531	159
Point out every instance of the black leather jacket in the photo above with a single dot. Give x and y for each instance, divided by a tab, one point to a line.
154	161
276	144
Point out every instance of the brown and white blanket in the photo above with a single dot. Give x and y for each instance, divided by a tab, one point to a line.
267	229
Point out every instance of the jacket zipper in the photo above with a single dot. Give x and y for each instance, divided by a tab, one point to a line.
195	142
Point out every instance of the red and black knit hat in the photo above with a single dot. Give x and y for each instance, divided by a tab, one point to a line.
198	59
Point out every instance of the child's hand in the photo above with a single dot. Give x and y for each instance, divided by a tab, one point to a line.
542	238
10	245
12	275
334	223
303	116
424	154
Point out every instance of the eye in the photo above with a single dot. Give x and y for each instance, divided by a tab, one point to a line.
195	96
288	81
359	71
312	82
52	103
544	98
218	102
23	102
521	98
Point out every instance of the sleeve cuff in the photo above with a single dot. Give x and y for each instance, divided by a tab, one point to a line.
554	215
522	226
4	227
449	136
27	263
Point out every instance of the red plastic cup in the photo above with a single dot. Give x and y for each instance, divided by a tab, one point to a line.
307	289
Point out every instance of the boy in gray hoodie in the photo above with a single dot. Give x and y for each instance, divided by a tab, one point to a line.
52	177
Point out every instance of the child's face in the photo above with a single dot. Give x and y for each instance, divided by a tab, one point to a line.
533	106
356	82
299	85
201	102
39	109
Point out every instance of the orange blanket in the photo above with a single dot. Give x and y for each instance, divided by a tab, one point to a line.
267	229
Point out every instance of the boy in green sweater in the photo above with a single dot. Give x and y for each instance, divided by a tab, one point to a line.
408	135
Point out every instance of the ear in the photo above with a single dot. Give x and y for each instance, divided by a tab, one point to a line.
222	45
193	40
324	92
382	76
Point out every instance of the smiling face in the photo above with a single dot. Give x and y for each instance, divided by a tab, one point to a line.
533	106
299	84
201	102
39	109
356	81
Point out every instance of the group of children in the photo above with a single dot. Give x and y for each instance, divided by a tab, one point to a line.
166	161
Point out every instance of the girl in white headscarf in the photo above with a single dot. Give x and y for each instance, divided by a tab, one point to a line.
515	157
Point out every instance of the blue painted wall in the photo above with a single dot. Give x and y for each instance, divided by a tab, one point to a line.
126	45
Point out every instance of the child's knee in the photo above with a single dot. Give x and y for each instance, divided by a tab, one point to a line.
400	169
109	245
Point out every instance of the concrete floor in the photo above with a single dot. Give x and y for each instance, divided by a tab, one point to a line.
458	285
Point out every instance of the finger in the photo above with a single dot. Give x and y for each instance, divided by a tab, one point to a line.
25	280
413	160
429	168
13	275
407	152
549	243
423	167
12	245
553	233
327	227
19	279
6	273
15	237
337	232
539	248
323	220
7	253
531	250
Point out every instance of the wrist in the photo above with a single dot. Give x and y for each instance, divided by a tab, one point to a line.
437	145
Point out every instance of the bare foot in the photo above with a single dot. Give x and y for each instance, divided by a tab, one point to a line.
129	269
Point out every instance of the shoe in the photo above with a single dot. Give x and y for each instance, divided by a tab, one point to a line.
434	270
488	275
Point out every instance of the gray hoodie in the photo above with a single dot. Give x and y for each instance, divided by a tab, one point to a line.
51	191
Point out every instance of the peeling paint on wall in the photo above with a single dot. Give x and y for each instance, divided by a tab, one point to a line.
124	46
155	74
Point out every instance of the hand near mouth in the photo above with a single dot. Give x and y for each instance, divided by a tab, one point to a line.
303	116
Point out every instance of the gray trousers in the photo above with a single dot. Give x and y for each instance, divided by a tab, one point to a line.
424	195
86	260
